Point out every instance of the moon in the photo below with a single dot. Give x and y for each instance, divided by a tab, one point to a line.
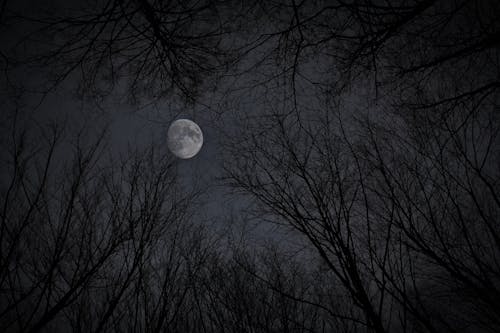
184	138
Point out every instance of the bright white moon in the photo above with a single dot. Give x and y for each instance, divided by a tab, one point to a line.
184	138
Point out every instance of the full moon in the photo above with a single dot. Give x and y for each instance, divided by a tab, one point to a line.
184	138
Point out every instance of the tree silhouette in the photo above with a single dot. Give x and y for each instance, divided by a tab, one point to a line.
81	237
139	48
371	135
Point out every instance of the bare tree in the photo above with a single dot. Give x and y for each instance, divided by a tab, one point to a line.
402	215
375	139
82	237
397	190
139	48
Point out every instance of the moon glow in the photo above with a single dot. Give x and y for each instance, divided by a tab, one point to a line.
184	138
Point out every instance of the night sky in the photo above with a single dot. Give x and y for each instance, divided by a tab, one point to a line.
348	181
